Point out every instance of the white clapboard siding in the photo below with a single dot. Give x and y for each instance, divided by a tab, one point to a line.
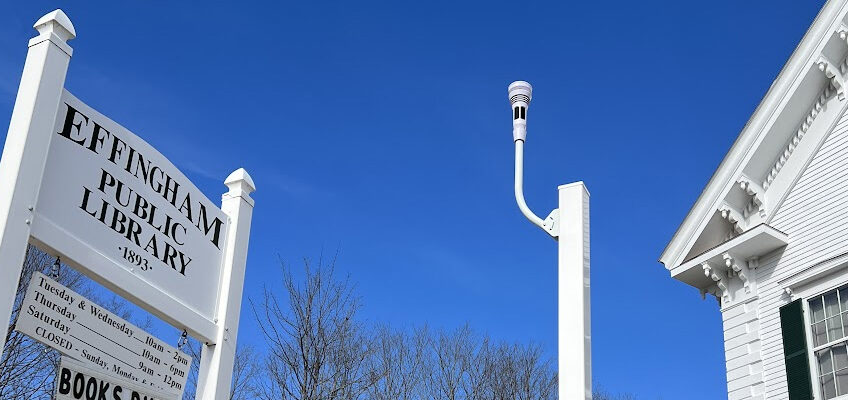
815	217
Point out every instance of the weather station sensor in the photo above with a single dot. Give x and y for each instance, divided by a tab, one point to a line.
520	94
569	226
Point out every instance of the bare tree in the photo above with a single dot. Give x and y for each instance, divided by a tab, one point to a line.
535	379
451	356
599	393
481	372
245	372
397	364
316	349
462	365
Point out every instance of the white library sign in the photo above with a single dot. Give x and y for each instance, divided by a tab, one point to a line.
83	188
68	322
119	197
75	381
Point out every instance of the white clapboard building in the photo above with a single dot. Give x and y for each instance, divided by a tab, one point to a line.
768	236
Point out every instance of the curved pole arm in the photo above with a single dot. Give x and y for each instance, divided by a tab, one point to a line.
519	188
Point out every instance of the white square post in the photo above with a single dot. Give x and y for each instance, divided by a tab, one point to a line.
575	325
569	225
27	144
216	361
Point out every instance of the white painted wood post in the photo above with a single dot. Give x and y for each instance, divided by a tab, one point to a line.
575	327
216	361
27	143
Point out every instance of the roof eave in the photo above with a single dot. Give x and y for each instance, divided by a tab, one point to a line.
794	69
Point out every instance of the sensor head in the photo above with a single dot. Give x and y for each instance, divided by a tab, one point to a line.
520	93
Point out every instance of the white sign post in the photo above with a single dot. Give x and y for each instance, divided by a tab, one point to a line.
82	187
25	151
216	361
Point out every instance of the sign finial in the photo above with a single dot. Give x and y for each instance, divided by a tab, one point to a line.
240	183
58	23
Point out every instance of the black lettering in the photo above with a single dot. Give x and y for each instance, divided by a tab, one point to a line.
118	219
116	150
84	206
152	217
79	386
140	208
140	165
104	387
120	190
91	389
96	138
104	176
69	123
116	393
183	262
133	230
130	159
156	184
207	226
103	208
65	381
174	228
169	255
152	244
167	229
185	208
171	190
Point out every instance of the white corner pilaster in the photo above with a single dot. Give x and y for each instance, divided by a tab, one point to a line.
27	143
216	361
575	336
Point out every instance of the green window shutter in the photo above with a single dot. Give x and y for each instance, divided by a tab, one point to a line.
795	351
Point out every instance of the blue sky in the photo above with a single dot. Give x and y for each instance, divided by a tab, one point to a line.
383	131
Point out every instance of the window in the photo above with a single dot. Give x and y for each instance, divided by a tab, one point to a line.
829	327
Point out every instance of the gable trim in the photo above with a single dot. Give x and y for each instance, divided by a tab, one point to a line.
804	155
827	23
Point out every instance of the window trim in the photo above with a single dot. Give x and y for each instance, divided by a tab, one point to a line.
811	354
812	289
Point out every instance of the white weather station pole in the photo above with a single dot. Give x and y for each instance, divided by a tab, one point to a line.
569	226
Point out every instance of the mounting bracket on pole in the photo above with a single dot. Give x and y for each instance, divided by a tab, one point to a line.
551	224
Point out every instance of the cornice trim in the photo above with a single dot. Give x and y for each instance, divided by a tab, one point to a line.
803	59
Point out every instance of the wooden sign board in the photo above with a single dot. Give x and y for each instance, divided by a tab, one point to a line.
68	322
75	381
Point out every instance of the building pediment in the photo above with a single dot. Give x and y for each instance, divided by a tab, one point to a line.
777	144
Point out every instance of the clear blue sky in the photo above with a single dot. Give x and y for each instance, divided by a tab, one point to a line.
383	130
